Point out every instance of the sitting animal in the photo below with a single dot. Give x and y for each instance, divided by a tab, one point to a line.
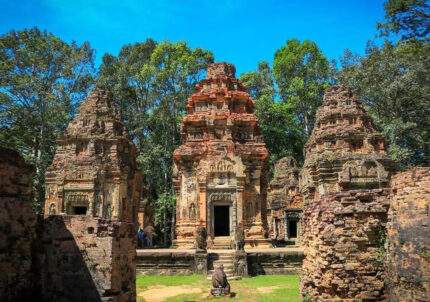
219	280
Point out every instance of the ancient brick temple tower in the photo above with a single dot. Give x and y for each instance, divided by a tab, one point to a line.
345	183
285	203
220	173
93	171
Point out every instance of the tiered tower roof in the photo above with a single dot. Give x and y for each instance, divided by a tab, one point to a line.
220	118
343	126
345	149
96	137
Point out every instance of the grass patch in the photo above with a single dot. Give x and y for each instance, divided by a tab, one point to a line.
259	289
143	282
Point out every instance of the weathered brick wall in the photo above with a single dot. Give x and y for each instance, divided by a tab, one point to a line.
17	227
275	263
165	263
408	258
343	246
87	258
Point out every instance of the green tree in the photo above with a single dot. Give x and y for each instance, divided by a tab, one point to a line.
302	74
153	92
394	84
42	79
276	120
408	18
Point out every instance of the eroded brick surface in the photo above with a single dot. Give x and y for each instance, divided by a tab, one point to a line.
408	263
87	258
17	227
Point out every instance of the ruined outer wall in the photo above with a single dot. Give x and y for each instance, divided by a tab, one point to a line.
275	262
344	254
17	227
87	258
168	263
408	259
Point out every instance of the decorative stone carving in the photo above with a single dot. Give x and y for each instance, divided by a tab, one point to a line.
192	211
52	209
221	112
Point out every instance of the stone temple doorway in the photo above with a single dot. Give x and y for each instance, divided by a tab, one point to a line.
221	220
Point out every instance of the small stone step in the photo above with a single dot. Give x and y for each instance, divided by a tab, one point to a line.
225	265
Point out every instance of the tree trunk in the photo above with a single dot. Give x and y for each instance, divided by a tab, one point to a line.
165	224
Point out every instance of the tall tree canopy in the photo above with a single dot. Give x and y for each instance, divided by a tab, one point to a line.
302	73
275	118
42	79
394	82
408	18
151	83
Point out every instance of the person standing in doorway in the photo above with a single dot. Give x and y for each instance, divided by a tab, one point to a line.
140	238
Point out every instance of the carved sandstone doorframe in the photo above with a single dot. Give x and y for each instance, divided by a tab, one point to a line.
221	199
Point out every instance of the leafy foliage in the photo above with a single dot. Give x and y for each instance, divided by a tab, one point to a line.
42	79
408	18
394	84
276	120
302	73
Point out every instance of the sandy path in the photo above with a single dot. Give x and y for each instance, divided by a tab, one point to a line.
267	289
160	293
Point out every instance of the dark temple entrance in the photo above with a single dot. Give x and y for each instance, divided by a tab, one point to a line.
222	220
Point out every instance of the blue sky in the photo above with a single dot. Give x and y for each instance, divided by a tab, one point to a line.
242	32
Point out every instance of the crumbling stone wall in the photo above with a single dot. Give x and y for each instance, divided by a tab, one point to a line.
345	184
344	250
17	227
408	258
275	262
166	262
88	258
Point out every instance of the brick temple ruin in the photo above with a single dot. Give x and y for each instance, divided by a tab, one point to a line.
284	201
85	246
364	228
93	171
345	184
220	173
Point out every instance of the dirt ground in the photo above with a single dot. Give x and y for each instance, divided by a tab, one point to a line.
159	293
